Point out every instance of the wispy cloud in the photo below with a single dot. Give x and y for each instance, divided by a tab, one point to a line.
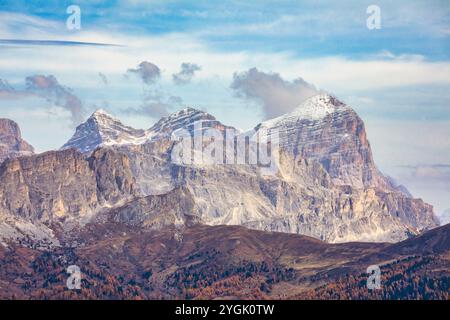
276	95
103	78
429	181
8	92
186	73
12	23
64	43
430	172
49	88
156	105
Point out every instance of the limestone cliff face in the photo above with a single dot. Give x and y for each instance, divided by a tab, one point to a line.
326	184
59	189
113	176
11	142
326	130
48	186
60	185
303	199
175	208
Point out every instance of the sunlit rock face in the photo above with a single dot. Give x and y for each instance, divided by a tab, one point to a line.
326	130
326	184
11	142
102	129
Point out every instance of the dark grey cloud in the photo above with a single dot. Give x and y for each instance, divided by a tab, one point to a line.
49	88
276	95
186	73
147	71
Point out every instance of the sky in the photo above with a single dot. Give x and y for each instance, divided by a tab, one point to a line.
140	60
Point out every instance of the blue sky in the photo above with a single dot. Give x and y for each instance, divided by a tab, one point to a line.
397	78
307	28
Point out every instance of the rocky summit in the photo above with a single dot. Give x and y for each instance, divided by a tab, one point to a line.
326	184
325	130
102	129
11	142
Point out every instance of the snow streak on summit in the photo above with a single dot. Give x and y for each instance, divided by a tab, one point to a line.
102	129
326	184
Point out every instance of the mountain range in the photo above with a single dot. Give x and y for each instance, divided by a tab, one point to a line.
326	186
114	200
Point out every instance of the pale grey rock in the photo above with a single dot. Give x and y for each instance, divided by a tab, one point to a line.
303	199
102	129
326	130
326	184
176	207
11	142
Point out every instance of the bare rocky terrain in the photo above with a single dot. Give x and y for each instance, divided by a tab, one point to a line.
325	183
141	225
11	142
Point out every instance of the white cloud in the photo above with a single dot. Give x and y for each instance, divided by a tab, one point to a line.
13	24
333	73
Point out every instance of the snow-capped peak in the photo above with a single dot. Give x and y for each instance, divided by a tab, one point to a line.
100	112
102	129
317	107
313	109
103	117
184	118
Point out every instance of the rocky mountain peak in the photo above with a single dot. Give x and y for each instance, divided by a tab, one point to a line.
180	119
11	142
313	109
102	129
325	129
185	119
328	186
318	107
102	114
